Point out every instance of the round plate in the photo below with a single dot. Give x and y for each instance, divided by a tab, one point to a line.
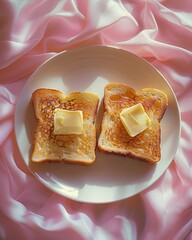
89	69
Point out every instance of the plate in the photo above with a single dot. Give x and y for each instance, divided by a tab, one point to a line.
111	177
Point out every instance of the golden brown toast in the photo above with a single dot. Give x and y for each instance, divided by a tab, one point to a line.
115	139
71	148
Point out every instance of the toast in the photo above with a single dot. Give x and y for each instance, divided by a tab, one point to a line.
114	138
71	148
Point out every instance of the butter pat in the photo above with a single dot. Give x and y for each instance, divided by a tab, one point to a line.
135	119
68	122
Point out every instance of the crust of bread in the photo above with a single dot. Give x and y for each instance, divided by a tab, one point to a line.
114	138
48	147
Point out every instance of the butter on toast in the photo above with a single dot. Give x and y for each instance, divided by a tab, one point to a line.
114	138
70	148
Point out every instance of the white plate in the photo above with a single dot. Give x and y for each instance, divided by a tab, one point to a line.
111	177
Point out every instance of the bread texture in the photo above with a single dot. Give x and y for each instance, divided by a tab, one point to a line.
114	138
72	148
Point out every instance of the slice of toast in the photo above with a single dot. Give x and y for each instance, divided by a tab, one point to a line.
70	148
115	139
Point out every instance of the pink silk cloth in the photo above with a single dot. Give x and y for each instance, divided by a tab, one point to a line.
160	31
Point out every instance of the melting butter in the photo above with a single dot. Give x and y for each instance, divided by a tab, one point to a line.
68	122
135	119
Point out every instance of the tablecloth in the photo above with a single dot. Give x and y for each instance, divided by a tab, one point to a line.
159	31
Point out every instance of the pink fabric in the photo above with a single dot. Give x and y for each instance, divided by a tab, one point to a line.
33	31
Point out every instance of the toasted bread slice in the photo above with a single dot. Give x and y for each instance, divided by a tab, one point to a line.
115	139
70	148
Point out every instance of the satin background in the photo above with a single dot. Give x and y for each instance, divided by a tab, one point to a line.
31	32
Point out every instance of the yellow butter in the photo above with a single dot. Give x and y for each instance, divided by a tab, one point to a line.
135	119
68	122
